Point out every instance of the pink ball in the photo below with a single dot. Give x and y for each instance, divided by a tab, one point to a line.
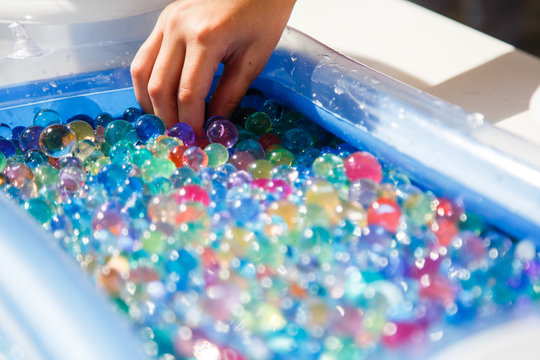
192	193
363	165
241	159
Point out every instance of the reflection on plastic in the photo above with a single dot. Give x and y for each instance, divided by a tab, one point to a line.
23	46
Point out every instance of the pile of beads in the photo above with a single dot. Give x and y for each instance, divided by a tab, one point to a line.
268	239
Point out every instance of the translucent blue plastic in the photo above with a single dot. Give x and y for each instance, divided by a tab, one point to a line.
440	146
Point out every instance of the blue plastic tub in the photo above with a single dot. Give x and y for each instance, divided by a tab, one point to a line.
440	146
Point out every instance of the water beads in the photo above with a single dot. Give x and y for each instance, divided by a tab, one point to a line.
184	132
5	131
57	140
259	123
363	165
7	148
29	138
217	154
120	130
47	117
277	241
223	132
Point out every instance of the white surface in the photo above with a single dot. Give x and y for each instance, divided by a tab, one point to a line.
74	11
535	105
432	53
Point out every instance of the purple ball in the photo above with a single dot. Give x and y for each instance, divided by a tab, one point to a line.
222	131
212	119
184	132
30	138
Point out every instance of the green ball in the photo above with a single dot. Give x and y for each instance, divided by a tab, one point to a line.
120	130
3	161
258	123
260	169
40	209
157	167
45	175
82	130
281	156
419	209
217	154
331	168
153	241
140	156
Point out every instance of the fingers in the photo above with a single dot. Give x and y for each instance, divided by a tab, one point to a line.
235	81
141	69
197	74
163	82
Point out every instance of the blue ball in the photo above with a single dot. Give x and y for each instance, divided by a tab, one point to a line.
149	127
7	148
103	119
5	131
16	133
132	114
47	117
182	265
35	158
244	210
112	176
297	140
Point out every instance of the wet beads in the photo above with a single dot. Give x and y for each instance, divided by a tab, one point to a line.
82	130
120	130
297	140
3	162
223	132
40	209
157	167
330	167
30	138
57	140
195	158
281	156
47	117
241	159
250	146
7	148
71	179
260	169
103	120
386	213
132	114
5	131
363	165
184	132
149	127
258	123
17	173
296	236
34	158
217	154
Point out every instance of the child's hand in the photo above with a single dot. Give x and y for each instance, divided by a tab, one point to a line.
174	68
